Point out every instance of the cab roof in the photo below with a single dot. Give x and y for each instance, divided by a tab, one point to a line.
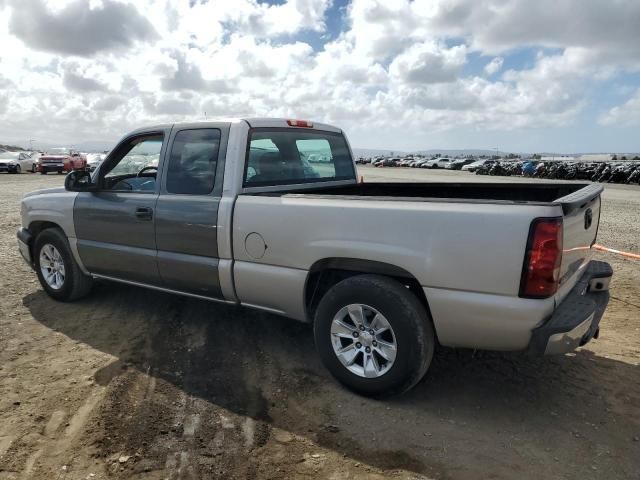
257	122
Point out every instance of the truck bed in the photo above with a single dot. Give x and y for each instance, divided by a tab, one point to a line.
483	192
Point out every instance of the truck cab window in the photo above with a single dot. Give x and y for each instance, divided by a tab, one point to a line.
136	167
193	161
281	157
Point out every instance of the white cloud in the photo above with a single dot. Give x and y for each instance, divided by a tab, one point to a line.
627	114
79	28
428	62
494	66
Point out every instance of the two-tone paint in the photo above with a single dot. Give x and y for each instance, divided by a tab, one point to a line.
240	246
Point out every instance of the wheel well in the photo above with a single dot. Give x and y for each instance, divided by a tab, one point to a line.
325	273
36	227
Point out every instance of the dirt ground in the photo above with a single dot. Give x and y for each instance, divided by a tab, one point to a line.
130	383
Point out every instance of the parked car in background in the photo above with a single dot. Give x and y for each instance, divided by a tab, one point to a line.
94	160
387	162
472	167
15	162
439	162
60	160
419	163
459	163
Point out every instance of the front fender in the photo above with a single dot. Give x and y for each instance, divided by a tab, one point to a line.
53	206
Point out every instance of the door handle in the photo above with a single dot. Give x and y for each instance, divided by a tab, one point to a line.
144	213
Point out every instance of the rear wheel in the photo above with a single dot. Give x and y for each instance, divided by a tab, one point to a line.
33	168
58	272
43	172
18	169
374	335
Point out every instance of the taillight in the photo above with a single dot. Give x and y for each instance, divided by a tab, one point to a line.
541	271
300	123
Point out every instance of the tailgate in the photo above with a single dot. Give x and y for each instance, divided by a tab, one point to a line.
581	216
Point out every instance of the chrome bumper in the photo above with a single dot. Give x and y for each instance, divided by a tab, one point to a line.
577	319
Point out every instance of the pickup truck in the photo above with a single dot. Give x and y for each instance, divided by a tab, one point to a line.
59	160
234	212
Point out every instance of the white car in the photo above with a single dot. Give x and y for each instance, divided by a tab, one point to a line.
475	165
94	160
16	162
437	163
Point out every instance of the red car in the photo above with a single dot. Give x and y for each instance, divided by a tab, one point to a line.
60	160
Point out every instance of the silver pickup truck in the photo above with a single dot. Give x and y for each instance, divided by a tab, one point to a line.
268	213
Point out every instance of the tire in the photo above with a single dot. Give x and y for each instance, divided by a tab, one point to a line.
33	168
75	284
43	172
411	332
18	169
60	172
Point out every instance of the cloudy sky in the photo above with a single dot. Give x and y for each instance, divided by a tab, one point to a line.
521	75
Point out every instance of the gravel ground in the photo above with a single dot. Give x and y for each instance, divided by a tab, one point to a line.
130	383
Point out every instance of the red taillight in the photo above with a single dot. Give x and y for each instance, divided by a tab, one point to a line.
541	272
300	123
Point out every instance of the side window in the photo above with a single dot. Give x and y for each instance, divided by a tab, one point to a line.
136	169
193	161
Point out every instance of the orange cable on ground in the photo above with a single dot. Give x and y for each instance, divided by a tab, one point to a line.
611	250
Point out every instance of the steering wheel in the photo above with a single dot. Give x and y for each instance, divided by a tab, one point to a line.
151	167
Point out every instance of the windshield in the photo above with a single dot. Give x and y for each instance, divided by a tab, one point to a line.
9	155
292	156
58	151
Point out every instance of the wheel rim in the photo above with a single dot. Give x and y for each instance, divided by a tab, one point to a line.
52	266
363	340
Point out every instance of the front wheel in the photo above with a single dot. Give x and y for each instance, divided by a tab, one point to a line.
58	272
374	335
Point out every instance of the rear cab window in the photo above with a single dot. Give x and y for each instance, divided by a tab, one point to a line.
287	156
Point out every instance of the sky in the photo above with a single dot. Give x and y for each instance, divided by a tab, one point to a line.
517	75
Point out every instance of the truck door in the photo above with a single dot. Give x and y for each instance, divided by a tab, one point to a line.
187	210
115	226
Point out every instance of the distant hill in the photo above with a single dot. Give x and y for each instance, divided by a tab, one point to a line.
11	148
96	146
461	152
373	152
89	146
366	152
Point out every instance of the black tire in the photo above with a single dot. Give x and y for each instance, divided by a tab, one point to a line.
18	169
410	321
60	172
33	168
43	172
76	284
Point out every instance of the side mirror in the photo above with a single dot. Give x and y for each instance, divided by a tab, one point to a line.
79	181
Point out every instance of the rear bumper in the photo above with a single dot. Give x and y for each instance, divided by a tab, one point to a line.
577	319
